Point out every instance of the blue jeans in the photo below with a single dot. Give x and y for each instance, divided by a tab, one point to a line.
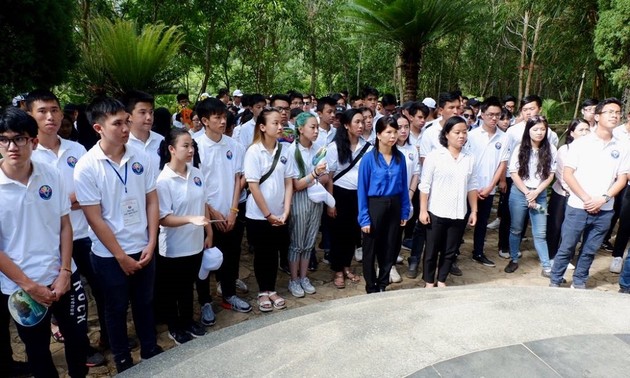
576	222
118	289
518	211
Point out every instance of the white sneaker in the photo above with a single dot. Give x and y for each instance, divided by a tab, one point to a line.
219	291
307	286
394	277
296	289
358	254
494	224
399	259
616	264
571	266
504	255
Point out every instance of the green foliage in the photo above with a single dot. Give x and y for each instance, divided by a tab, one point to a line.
612	41
120	59
37	47
555	111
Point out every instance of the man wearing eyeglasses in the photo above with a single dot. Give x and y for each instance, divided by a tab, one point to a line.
596	168
588	111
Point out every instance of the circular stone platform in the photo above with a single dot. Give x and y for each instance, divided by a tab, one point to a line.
457	331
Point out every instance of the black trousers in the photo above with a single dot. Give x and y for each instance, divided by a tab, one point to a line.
382	241
344	228
411	223
506	219
267	241
71	314
555	217
617	212
623	231
178	275
443	237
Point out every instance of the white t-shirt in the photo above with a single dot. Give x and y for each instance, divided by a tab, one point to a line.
534	178
30	224
489	152
69	154
560	186
412	162
99	181
151	147
181	197
430	139
349	180
220	163
448	181
258	161
597	164
246	136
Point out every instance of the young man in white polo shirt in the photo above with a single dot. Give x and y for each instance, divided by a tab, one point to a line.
448	106
595	169
115	186
36	247
488	145
63	154
246	135
140	106
222	167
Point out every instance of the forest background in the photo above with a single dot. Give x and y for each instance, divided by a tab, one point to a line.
563	50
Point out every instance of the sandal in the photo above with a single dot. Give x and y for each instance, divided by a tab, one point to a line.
278	302
57	336
339	281
264	305
351	276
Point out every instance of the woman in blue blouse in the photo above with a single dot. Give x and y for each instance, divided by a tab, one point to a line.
383	204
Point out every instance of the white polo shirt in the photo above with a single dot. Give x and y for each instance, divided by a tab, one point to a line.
489	152
349	180
515	135
621	132
181	197
246	136
326	137
258	161
430	139
99	181
597	164
448	181
220	163
412	161
307	156
151	147
560	186
69	154
534	179
30	224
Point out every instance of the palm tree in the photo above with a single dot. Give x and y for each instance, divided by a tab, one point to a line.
119	58
411	25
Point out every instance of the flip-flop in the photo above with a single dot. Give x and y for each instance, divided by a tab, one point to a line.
264	305
339	281
351	276
279	302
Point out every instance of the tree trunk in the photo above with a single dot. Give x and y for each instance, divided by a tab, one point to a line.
532	59
313	53
523	55
410	59
207	63
454	63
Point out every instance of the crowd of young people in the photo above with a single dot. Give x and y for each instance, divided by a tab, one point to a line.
141	207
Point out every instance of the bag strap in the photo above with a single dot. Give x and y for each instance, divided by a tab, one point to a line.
353	163
273	165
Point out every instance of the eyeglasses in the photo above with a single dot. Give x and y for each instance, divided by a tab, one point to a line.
611	112
468	116
493	115
19	141
281	109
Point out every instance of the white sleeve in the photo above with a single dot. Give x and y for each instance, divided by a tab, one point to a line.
164	197
85	186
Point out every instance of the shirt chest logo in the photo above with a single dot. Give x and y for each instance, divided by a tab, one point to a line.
283	159
614	154
72	161
197	181
45	192
498	145
411	156
137	168
229	155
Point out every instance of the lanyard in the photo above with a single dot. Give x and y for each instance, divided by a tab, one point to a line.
124	182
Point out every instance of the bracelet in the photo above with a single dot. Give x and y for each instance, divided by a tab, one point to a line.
412	191
234	210
315	175
67	270
267	216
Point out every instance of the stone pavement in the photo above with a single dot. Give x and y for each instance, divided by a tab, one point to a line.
487	279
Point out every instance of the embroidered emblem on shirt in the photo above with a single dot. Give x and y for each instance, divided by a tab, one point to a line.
410	156
614	154
283	159
229	155
497	145
137	168
45	192
72	161
197	181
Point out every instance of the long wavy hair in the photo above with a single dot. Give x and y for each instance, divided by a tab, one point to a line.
544	151
342	140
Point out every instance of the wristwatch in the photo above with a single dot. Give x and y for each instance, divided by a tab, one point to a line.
606	197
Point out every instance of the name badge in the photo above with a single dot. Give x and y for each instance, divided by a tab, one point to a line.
130	211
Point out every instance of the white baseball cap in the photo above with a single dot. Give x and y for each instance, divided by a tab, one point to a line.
212	260
428	101
237	93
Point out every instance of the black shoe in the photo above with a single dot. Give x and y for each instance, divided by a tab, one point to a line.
154	352
455	270
484	260
17	369
196	329
511	267
412	272
312	263
124	365
406	244
606	246
179	337
624	291
94	358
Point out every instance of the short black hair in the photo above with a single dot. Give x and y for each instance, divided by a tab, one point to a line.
223	92
293	95
589	102
417	106
447	97
280	97
132	97
509	98
367	91
182	96
209	107
388	99
256	98
610	100
490	101
448	126
323	101
40	95
102	107
531	98
17	120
